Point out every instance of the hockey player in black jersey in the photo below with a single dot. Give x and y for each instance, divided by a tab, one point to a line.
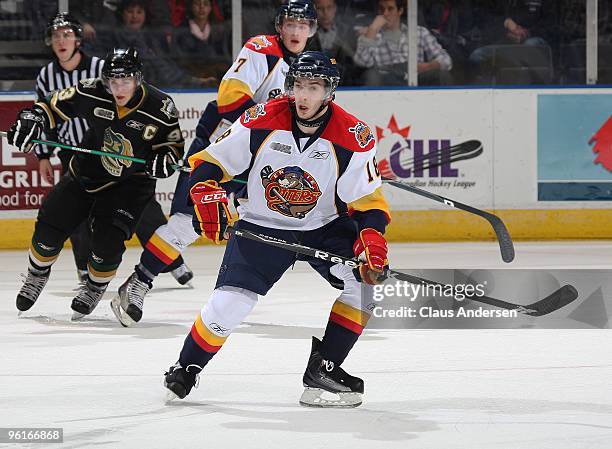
69	66
127	117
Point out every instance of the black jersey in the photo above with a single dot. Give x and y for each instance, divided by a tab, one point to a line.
53	77
146	125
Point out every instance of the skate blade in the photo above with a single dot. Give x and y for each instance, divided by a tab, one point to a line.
170	396
77	316
121	316
317	397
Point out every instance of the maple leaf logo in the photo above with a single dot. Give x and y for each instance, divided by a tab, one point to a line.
603	145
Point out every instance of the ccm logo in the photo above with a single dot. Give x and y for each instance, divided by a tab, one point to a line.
326	256
213	197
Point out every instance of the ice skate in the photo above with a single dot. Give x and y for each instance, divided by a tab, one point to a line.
182	274
328	385
86	300
82	277
179	381
128	303
32	287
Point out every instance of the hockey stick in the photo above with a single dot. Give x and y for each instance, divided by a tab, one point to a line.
552	302
503	236
96	152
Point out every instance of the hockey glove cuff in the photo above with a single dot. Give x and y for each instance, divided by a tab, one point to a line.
372	245
212	216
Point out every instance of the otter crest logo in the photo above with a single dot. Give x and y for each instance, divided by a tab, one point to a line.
259	42
290	191
363	135
117	144
253	112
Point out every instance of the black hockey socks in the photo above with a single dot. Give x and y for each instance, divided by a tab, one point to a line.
200	345
42	256
343	329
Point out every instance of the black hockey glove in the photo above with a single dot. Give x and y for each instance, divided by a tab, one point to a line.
29	125
161	166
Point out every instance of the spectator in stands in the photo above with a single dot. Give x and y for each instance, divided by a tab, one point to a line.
201	34
452	23
524	22
103	15
335	38
152	47
179	11
202	44
383	48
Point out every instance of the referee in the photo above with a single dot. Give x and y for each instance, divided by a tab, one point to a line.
70	66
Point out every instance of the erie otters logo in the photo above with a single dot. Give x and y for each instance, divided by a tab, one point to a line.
253	112
260	42
290	191
117	144
363	135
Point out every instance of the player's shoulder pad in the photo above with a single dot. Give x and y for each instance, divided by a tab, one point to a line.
274	114
265	44
348	131
160	106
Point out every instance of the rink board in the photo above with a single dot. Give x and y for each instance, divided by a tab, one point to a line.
538	170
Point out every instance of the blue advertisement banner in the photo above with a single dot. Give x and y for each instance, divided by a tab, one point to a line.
575	147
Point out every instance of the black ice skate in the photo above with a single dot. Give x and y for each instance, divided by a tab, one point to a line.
30	291
179	381
128	303
182	274
86	300
328	385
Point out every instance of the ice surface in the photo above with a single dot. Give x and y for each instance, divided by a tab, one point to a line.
441	389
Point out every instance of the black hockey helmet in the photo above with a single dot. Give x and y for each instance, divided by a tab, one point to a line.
121	63
314	65
63	20
297	9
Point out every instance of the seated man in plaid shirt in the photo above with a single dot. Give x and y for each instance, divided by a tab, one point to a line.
383	47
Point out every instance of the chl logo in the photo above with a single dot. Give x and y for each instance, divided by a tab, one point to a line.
290	191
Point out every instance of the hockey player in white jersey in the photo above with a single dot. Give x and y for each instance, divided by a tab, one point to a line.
312	178
257	75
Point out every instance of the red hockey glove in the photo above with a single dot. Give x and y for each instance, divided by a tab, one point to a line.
374	247
212	216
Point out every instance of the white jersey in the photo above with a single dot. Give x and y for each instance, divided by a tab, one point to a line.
257	75
298	187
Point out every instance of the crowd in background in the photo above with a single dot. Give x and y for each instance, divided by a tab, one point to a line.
187	43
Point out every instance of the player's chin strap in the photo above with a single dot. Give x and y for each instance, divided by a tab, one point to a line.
313	123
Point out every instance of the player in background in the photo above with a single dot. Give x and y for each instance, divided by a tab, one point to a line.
313	180
127	117
257	75
63	35
71	65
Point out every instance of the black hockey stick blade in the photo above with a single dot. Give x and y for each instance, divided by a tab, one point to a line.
503	236
555	301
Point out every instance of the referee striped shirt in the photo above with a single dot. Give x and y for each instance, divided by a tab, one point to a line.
53	77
